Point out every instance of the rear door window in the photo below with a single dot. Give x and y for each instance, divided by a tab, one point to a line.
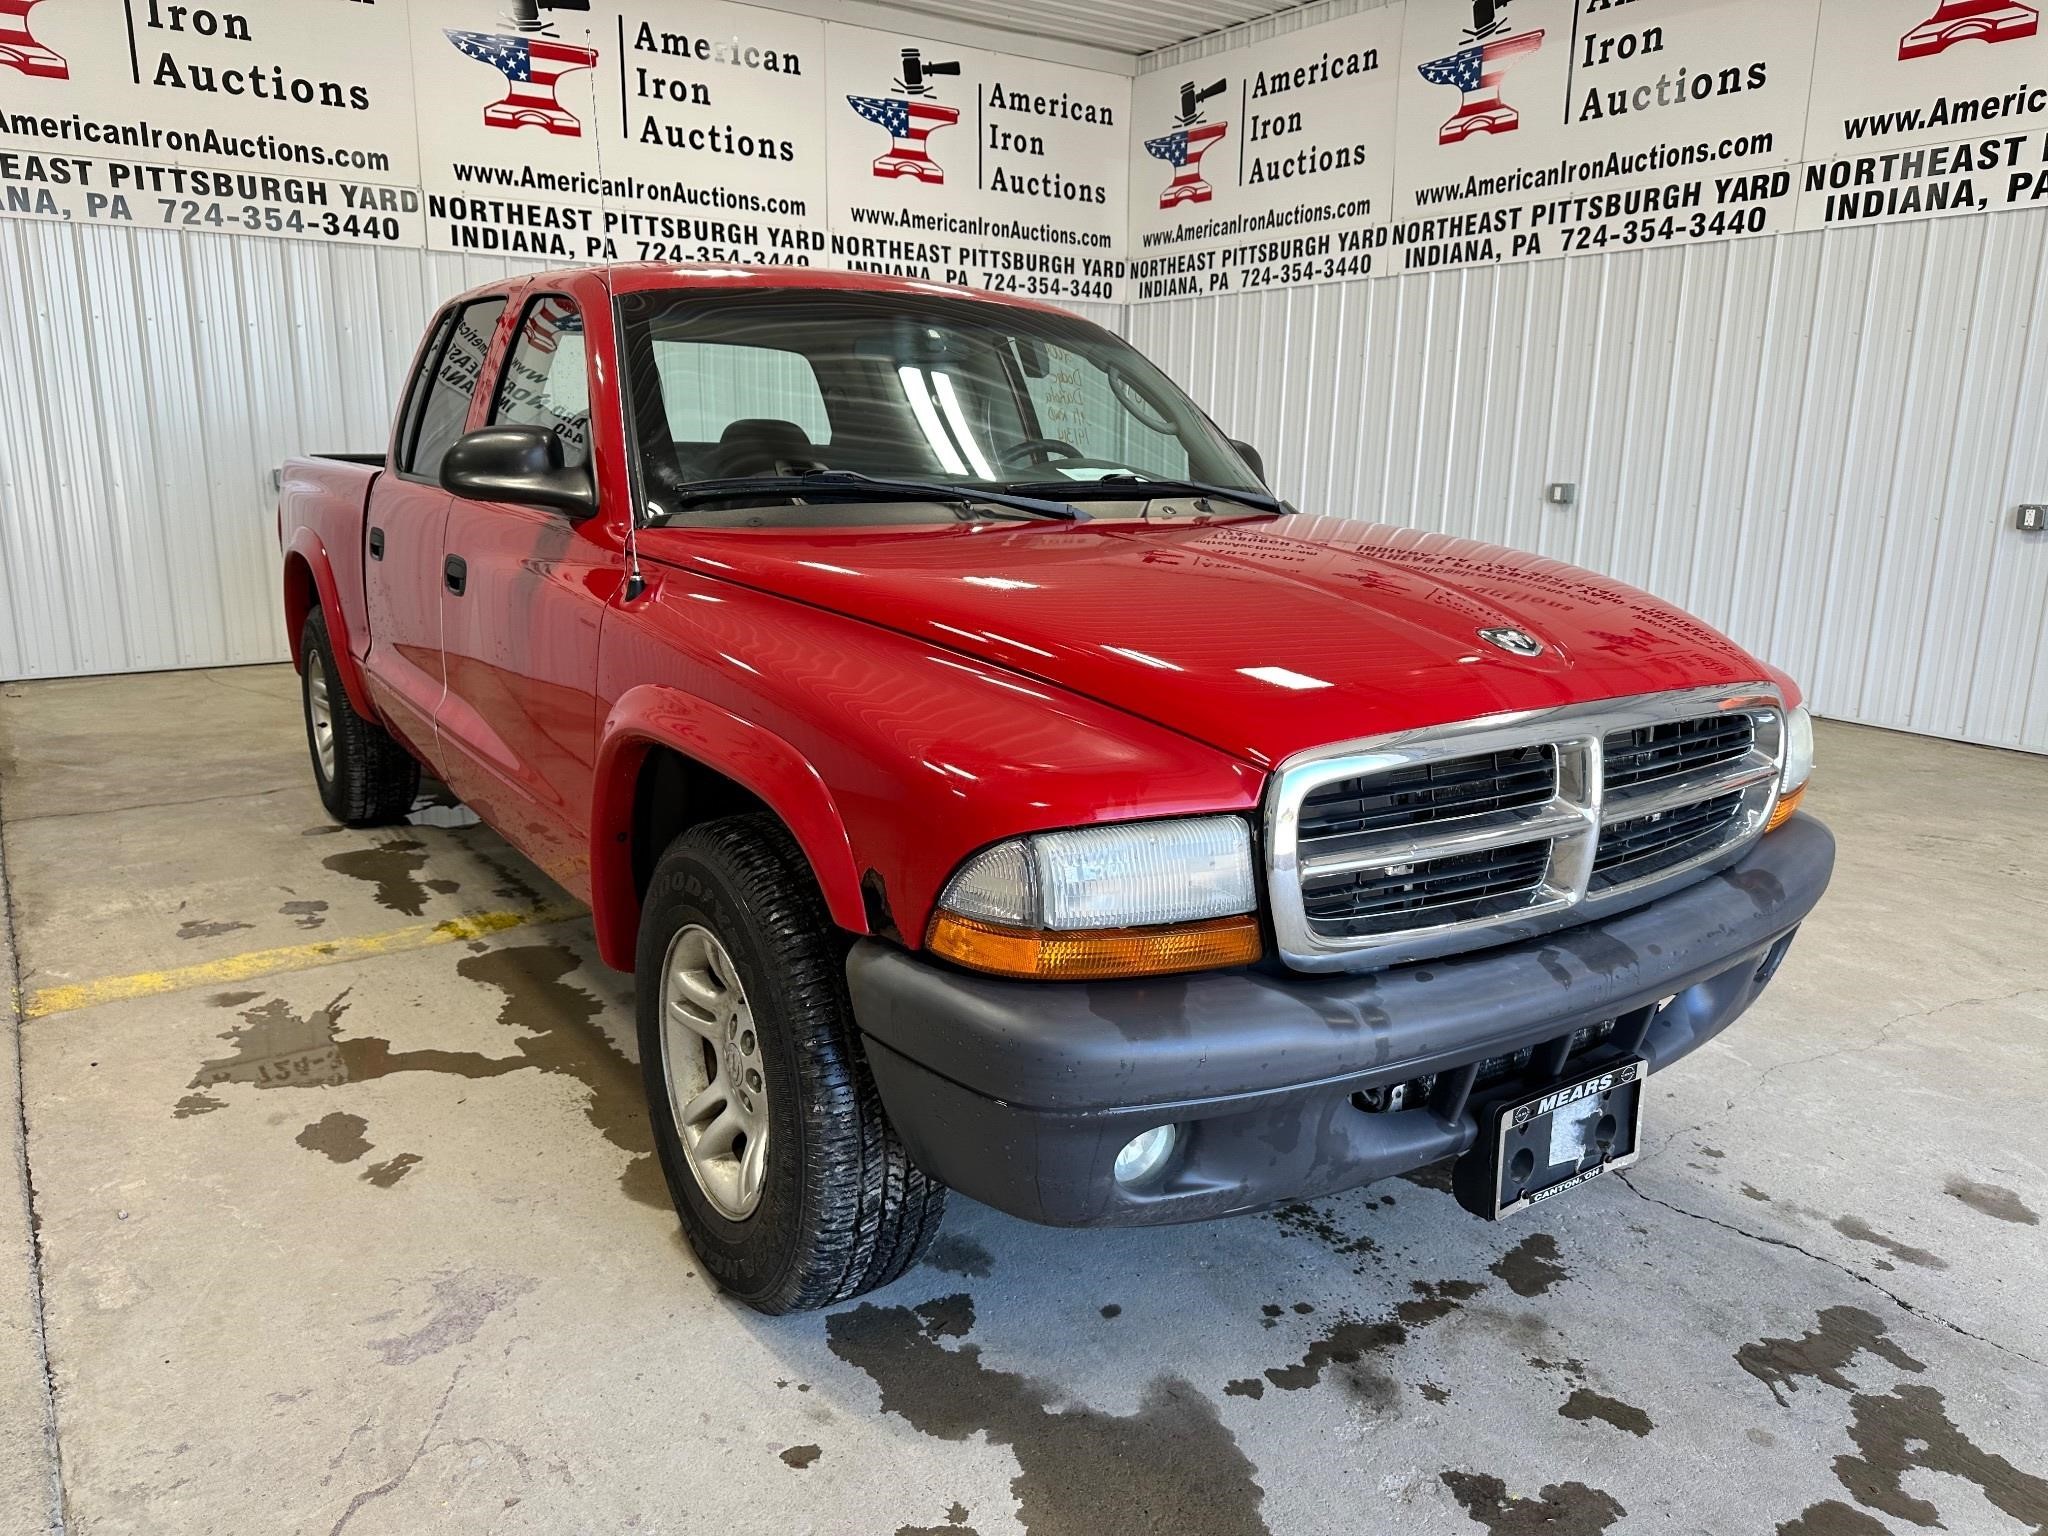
547	382
453	369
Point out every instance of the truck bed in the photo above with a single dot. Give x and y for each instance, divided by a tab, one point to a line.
321	506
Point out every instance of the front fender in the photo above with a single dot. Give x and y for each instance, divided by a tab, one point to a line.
306	553
652	716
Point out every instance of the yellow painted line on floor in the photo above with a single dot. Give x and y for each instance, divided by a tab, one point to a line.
290	957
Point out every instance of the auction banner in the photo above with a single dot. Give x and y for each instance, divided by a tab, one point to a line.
1269	166
1533	128
1926	107
959	166
291	118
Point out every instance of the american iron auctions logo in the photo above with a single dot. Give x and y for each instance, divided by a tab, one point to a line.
532	62
1183	149
19	48
910	117
1476	71
1969	21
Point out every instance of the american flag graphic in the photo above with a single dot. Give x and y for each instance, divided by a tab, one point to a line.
909	124
531	66
1969	21
1183	150
19	47
1477	72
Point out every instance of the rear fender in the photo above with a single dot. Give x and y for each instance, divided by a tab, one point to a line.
309	574
650	717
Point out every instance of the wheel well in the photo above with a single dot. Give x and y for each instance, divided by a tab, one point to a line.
300	599
673	794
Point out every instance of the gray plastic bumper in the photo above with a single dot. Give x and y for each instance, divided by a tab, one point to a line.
1019	1094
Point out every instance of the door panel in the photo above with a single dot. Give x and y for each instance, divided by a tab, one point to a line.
407	516
518	722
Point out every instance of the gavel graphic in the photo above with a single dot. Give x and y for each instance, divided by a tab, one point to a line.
916	71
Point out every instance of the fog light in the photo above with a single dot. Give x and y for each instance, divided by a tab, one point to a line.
1145	1155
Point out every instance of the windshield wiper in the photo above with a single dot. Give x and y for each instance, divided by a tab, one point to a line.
1127	487
849	483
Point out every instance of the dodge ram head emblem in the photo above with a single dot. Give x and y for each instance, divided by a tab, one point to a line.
1516	642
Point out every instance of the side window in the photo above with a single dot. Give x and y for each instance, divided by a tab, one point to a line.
445	408
546	383
706	386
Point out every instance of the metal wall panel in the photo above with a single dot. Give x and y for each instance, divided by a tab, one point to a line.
150	382
1813	441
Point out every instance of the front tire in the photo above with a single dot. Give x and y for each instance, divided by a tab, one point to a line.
791	1186
365	778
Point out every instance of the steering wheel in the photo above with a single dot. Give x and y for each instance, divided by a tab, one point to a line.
1037	450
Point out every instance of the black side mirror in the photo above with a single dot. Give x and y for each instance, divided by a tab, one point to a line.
522	465
1245	451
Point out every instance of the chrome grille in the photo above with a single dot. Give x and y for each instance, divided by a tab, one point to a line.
1430	842
1429	792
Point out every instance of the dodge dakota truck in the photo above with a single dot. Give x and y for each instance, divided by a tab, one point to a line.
994	786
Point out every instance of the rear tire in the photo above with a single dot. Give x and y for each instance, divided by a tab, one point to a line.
837	1207
365	778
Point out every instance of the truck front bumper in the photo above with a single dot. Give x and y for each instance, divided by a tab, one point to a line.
1020	1094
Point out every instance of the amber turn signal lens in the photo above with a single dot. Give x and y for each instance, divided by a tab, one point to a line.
1098	954
1787	809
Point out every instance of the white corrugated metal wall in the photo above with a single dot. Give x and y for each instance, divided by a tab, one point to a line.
150	382
1814	441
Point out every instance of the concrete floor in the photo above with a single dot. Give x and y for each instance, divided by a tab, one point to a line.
361	1234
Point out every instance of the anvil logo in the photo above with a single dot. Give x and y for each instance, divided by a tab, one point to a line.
1970	21
1476	71
531	63
910	119
1183	149
19	48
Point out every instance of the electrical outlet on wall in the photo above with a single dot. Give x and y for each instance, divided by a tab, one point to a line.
2031	518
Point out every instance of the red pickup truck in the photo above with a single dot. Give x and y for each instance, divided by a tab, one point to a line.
993	786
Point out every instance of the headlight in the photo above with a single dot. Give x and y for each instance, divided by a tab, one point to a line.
1139	899
1798	767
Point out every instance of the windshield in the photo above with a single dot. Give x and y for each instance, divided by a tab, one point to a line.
959	392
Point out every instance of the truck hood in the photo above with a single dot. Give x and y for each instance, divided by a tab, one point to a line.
1259	637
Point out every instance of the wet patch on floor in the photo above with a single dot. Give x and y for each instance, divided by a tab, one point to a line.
458	1306
196	1104
1910	1431
337	1137
198	929
1823	1353
232	999
305	914
1993	1200
1349	1348
1530	1268
958	1255
1831	1517
387	1173
1112	1310
1857	1230
956	1524
1314	1221
1586	1405
1561	1509
393	868
801	1456
277	1048
1172	1465
1436	1176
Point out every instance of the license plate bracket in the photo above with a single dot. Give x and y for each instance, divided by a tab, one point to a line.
1533	1147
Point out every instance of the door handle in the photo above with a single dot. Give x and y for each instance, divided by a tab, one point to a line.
455	571
376	543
